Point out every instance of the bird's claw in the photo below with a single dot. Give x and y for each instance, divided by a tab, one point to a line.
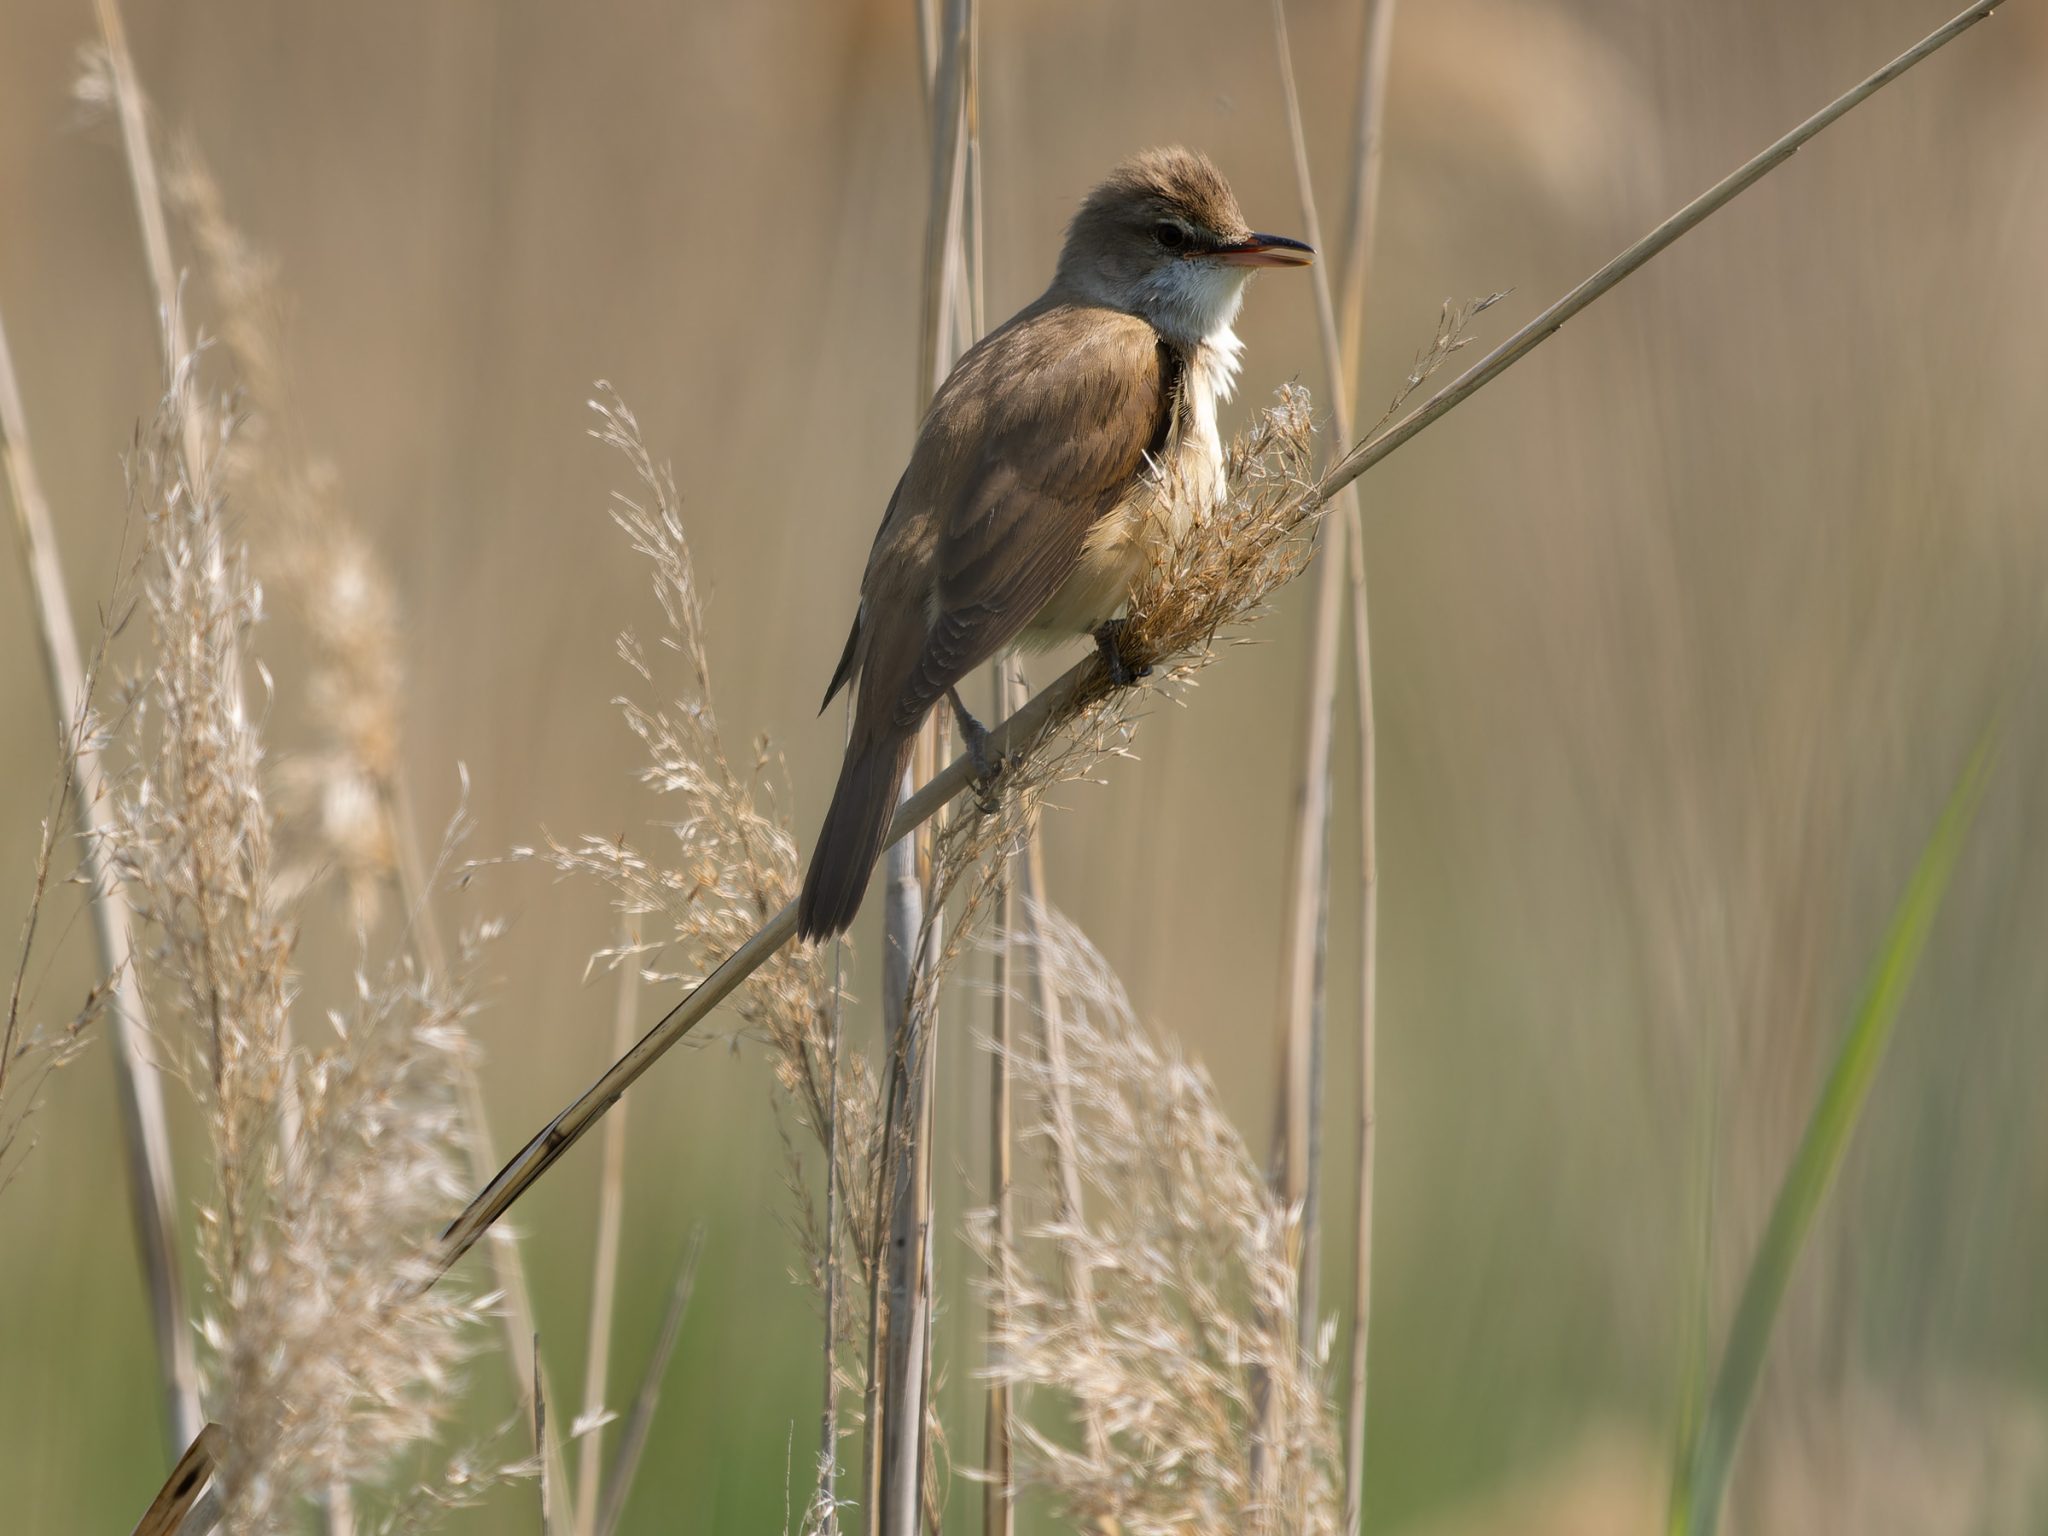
988	768
1109	641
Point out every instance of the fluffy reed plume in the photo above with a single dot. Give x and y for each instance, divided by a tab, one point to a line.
732	865
338	799
1186	1352
329	1357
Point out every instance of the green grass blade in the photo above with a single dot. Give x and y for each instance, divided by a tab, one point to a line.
1703	1477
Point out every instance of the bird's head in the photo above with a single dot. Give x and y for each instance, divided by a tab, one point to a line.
1162	237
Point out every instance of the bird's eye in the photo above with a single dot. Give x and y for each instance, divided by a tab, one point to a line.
1169	234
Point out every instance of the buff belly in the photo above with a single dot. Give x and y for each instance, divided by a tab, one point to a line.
1119	550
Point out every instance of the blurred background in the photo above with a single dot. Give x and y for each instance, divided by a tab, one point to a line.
1683	631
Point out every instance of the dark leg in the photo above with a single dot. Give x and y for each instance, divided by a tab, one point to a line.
986	769
1109	641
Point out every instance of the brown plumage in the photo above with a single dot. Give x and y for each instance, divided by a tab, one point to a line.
1054	456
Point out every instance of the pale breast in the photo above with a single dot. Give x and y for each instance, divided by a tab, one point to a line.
1180	485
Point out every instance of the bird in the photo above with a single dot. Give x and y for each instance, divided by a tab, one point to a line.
1064	452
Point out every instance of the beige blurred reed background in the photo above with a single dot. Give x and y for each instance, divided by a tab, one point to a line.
1683	630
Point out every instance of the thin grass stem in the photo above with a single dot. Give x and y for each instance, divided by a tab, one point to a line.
1367	160
1305	991
828	1414
132	108
604	1275
999	1513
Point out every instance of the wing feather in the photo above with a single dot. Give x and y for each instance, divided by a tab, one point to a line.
1068	411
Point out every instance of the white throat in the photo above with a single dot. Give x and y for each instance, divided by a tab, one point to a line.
1192	302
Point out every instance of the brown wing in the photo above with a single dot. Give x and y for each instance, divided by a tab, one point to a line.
1036	436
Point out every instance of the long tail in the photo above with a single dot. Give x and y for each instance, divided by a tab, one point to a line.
851	839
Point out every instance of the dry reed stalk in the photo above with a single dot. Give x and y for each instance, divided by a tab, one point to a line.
131	108
1368	1049
1189	1352
1305	991
1297	1134
1341	331
1362	218
1224	574
145	1138
871	1456
897	1266
822	1519
1008	688
999	1512
905	1380
604	1268
912	908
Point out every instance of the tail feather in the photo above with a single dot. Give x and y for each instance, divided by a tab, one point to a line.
850	841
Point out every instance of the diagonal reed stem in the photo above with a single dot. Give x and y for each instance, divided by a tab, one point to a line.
1062	699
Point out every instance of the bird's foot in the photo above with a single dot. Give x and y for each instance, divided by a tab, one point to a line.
988	766
1109	641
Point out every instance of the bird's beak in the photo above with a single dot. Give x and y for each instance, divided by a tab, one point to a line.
1264	251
